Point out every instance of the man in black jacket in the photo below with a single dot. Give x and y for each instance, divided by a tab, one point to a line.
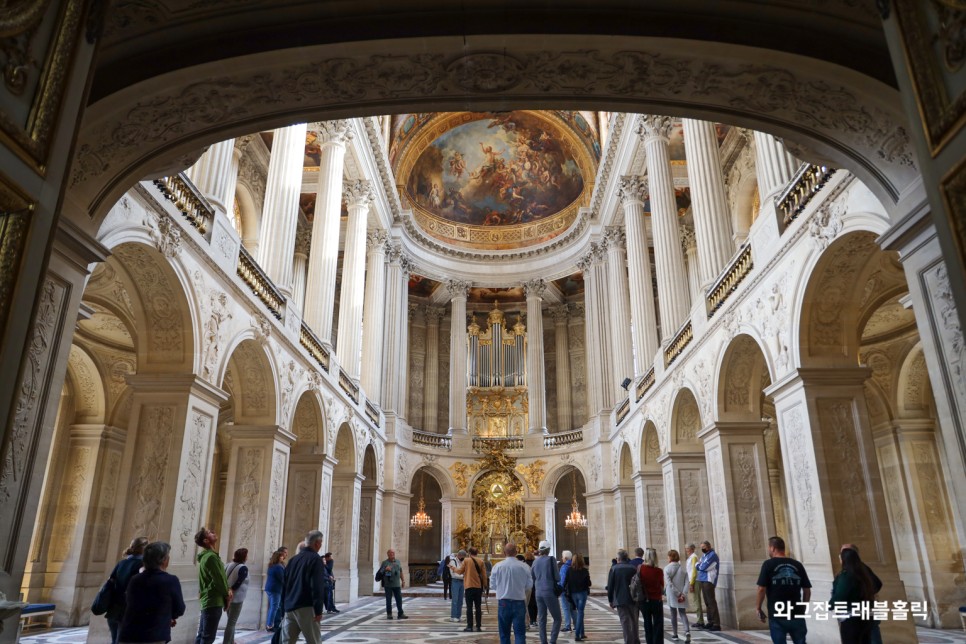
619	596
303	593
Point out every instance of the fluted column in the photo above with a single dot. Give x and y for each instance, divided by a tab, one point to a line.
565	416
300	264
689	244
643	315
213	175
536	376
458	292
402	359
709	201
620	309
596	332
373	314
396	312
431	369
323	262
668	260
349	343
774	166
276	245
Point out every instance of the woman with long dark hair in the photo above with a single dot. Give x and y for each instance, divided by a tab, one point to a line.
123	572
273	587
578	588
851	587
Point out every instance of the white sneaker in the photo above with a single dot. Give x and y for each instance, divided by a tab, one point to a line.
674	637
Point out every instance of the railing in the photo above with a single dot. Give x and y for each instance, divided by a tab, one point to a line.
181	192
311	342
645	385
253	275
676	346
553	441
372	412
623	409
422	574
436	441
804	185
482	444
348	386
728	283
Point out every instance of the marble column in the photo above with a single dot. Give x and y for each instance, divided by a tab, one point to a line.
396	349
536	378
709	201
643	314
374	315
689	244
618	300
254	502
433	315
824	428
280	215
300	265
597	333
672	291
349	344
215	176
738	476
774	166
458	292
565	416
323	262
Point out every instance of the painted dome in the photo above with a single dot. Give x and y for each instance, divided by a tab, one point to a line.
496	180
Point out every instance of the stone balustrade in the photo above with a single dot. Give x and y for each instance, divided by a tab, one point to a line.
563	439
179	190
256	279
314	346
435	441
645	385
677	344
806	183
348	385
730	278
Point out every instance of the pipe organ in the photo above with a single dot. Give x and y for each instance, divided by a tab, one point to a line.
496	399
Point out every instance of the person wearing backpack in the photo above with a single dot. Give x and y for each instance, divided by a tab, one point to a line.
125	569
619	596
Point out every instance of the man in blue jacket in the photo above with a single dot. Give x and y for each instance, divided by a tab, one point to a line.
708	578
303	593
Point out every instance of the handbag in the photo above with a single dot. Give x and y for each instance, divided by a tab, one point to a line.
636	588
105	597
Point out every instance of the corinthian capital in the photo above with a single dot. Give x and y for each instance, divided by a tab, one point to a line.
688	240
457	288
615	237
560	313
303	240
406	264
534	288
357	193
655	127
433	314
376	239
632	189
334	131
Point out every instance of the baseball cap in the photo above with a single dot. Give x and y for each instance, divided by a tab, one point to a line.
544	545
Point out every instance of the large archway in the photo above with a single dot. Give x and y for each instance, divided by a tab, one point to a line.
425	545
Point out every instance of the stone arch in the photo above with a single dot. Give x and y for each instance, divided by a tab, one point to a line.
742	376
250	215
481	473
556	473
563	491
443	478
650	448
250	377
308	423
344	449
685	423
343	511
626	465
164	329
425	548
87	386
913	386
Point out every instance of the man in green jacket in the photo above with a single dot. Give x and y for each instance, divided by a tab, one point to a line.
213	592
393	582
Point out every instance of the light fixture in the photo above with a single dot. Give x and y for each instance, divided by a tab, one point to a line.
575	520
626	384
421	522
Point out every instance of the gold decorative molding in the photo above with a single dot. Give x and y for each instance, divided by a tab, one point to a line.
953	188
942	115
16	208
533	474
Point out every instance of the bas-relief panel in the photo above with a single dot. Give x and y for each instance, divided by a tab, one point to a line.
746	485
657	526
934	509
191	487
155	431
71	501
338	525
804	494
105	512
629	517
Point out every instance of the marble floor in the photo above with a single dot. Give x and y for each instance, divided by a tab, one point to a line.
364	622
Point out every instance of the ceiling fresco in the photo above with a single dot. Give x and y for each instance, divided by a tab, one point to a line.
496	180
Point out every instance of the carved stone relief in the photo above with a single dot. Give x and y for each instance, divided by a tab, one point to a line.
747	500
193	477
802	466
68	510
148	489
247	493
851	502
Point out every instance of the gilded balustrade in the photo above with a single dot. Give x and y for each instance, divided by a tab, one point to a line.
311	342
348	386
179	190
256	279
623	409
372	412
482	444
728	283
645	385
676	346
806	183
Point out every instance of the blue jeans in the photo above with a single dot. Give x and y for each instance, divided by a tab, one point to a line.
565	609
779	627
208	626
274	599
512	612
456	596
545	604
581	600
391	592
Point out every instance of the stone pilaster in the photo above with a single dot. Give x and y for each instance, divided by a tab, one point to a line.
396	350
643	314
215	176
374	315
342	539
276	245
536	379
688	505
774	166
824	429
596	332
349	343
255	494
323	262
618	301
689	244
431	375
627	517
565	416
309	482
300	265
709	201
669	262
458	292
